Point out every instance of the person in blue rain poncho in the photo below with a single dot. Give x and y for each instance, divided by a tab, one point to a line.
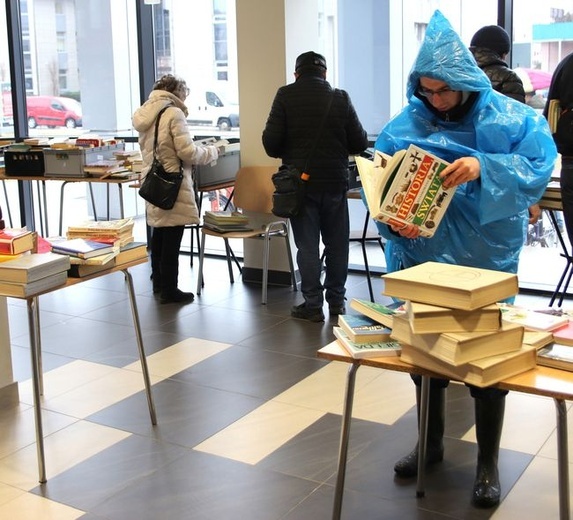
502	155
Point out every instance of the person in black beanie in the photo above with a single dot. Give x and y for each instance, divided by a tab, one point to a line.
290	133
490	45
561	88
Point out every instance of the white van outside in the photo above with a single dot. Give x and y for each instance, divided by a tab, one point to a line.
208	107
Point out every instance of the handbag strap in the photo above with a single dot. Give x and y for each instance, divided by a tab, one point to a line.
156	128
319	131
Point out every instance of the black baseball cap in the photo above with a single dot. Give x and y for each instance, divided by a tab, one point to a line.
310	60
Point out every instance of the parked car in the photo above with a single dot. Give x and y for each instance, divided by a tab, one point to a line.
53	111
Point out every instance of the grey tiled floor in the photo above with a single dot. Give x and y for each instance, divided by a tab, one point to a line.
248	417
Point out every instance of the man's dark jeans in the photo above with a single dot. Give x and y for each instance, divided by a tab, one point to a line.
324	214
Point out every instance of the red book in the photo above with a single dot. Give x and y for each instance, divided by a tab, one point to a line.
15	241
564	335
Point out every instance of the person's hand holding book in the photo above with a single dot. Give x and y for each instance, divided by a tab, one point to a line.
464	169
407	230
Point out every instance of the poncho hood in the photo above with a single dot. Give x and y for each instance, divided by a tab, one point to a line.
444	57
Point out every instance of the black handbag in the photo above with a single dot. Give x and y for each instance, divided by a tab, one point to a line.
289	191
159	187
290	182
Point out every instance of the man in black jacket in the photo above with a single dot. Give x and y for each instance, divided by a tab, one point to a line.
561	88
490	46
291	134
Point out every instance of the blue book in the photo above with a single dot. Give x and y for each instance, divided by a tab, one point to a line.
81	248
362	329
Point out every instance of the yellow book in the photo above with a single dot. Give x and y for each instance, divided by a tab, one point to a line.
447	285
553	113
483	372
22	290
30	267
426	318
537	338
457	348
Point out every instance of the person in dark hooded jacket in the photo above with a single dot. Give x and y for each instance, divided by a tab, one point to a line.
291	134
502	155
490	46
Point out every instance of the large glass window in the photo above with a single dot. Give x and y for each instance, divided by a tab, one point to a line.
87	51
542	36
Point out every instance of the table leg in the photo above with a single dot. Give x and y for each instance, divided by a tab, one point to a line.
121	210
562	458
34	348
93	201
365	256
41	209
39	346
138	336
568	271
7	203
344	438
45	197
423	436
107	199
61	207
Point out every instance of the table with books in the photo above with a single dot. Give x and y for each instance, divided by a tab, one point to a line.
29	276
108	181
434	354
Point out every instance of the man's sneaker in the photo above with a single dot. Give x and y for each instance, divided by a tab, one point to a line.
335	310
307	313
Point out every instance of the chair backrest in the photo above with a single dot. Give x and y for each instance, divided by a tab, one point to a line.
254	188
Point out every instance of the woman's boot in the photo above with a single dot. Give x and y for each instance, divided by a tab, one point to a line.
489	422
407	466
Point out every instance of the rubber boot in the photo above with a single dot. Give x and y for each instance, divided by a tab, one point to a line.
489	422
407	466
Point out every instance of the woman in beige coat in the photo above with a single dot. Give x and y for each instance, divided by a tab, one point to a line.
175	150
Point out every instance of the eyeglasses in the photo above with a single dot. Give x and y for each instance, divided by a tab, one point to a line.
427	93
185	90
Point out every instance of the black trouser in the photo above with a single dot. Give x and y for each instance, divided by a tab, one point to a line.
566	182
324	215
165	246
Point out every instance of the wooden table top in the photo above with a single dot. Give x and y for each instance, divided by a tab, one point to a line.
544	381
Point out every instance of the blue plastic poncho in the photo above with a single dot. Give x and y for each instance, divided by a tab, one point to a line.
486	222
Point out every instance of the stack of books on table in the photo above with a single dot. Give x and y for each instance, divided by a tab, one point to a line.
32	273
109	231
226	221
105	168
453	326
366	334
362	337
95	246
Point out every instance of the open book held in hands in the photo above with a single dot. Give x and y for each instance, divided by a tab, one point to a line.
407	189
